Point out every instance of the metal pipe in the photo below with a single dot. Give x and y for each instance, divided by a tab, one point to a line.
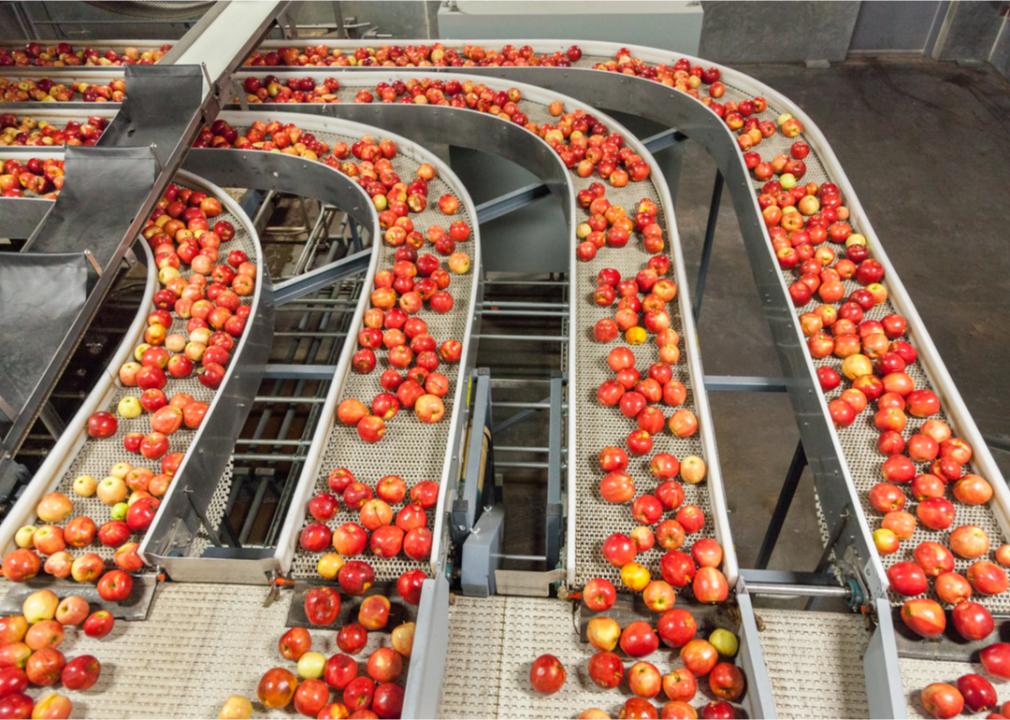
790	590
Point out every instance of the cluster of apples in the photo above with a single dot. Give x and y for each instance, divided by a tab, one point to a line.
27	130
435	54
274	136
64	54
132	496
46	90
640	640
609	225
30	655
272	89
401	292
380	528
34	177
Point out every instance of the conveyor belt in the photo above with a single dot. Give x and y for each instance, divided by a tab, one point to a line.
75	454
596	425
410	449
858	460
814	662
492	642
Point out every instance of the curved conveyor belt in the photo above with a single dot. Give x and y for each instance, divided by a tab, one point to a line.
844	459
590	519
205	456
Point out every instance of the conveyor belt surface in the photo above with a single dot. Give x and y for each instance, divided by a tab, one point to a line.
814	661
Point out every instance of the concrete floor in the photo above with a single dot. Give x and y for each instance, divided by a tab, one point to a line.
927	149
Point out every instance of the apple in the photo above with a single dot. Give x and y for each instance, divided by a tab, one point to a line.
236	707
969	541
72	610
54	507
115	586
12	629
979	694
941	700
619	549
924	617
907	578
599	594
936	513
973	490
322	605
356	577
276	688
659	596
85	485
995	659
102	425
81	673
605	669
359	693
603	633
726	681
384	665
40	605
547	674
644	679
44	666
373	612
339	671
987	577
638	639
402	638
21	565
972	621
699	656
99	624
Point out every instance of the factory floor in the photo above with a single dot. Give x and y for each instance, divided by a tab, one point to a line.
927	148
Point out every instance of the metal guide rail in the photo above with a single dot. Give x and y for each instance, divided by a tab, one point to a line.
594	519
410	449
75	454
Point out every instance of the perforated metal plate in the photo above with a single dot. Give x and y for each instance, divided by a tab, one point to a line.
492	642
97	456
410	449
814	661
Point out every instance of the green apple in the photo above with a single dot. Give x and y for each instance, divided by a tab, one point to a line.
311	665
724	641
129	407
119	511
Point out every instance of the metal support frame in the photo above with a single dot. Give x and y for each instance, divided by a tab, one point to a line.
314	280
786	495
554	532
706	248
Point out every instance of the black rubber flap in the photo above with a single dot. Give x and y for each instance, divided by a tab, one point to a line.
40	297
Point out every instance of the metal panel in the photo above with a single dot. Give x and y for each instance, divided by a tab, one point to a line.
423	689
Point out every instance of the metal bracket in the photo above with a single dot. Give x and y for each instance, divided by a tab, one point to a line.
478	463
